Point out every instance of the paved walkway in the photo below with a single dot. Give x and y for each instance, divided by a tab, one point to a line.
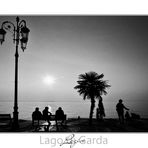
75	125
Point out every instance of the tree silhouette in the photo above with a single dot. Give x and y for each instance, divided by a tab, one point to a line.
91	86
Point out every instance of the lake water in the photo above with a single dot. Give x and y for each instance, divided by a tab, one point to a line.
72	109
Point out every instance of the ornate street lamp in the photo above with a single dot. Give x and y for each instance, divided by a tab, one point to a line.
24	32
20	35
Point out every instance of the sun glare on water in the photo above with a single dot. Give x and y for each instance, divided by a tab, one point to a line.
49	80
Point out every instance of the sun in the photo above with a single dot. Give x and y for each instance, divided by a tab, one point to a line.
49	80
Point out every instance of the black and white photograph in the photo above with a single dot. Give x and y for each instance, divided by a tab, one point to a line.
73	73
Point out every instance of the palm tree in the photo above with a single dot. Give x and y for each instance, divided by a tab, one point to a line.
91	86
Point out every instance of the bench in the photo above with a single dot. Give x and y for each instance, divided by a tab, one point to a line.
5	119
52	118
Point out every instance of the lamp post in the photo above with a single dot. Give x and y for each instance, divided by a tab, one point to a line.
20	35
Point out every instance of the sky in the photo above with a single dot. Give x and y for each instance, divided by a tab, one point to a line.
63	47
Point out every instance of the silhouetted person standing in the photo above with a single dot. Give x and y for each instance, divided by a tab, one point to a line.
36	115
101	110
120	110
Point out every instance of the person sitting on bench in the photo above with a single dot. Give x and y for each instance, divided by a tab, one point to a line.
59	115
46	115
36	115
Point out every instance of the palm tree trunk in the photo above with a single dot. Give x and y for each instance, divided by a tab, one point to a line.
91	111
